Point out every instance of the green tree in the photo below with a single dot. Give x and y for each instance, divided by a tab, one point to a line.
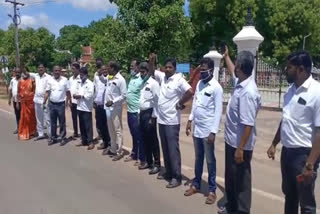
290	21
72	38
35	46
142	26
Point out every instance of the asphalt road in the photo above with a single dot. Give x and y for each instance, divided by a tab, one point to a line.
36	178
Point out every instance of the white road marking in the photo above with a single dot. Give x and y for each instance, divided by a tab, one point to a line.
262	193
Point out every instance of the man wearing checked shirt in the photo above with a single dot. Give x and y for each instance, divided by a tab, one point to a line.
133	104
206	115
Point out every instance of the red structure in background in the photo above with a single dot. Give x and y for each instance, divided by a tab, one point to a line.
87	55
194	77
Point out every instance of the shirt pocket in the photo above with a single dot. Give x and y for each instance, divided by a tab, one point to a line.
147	94
206	99
171	91
298	111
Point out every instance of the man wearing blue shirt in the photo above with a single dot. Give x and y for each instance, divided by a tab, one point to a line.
240	133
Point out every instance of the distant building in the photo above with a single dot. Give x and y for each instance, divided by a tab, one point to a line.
86	56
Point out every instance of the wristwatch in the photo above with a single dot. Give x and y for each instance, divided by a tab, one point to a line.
309	166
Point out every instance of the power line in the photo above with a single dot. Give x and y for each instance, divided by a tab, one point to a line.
16	21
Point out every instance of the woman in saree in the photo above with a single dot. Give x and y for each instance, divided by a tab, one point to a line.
26	90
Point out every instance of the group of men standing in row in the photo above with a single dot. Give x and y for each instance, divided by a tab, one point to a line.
155	97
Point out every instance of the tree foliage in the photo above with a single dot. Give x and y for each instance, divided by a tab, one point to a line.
142	26
283	24
35	46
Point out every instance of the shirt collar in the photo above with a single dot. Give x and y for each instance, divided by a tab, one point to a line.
137	75
245	82
306	83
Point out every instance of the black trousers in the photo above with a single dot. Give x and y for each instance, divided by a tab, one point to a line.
74	115
238	181
150	138
169	135
17	113
57	112
86	129
292	163
102	125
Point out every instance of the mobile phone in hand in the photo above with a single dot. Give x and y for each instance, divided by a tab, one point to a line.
300	178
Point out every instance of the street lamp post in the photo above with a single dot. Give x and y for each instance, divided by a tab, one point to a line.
304	40
216	57
249	39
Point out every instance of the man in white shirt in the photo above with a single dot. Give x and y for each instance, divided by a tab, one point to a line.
114	97
74	81
84	96
13	96
42	112
206	115
299	133
174	93
59	90
148	118
240	133
100	84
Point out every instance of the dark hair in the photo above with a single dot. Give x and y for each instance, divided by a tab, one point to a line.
84	70
246	61
114	64
144	65
40	63
207	61
301	58
76	65
99	59
137	61
172	61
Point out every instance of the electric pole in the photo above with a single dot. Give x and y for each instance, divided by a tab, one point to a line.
16	21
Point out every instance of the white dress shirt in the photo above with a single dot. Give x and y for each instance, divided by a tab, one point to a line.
206	108
58	89
242	110
301	114
171	91
100	85
149	96
41	85
116	91
14	89
74	83
86	90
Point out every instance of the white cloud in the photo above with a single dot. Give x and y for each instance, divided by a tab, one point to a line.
40	20
93	4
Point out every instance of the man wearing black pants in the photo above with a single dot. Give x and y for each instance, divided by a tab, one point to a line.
74	82
59	90
174	92
100	84
299	133
240	133
13	96
149	96
84	97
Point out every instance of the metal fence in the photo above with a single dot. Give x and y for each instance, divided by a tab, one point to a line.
270	80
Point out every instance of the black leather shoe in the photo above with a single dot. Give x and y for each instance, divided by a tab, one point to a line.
143	165
51	142
63	142
173	183
163	176
154	170
117	157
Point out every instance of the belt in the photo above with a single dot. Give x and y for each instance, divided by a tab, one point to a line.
59	103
